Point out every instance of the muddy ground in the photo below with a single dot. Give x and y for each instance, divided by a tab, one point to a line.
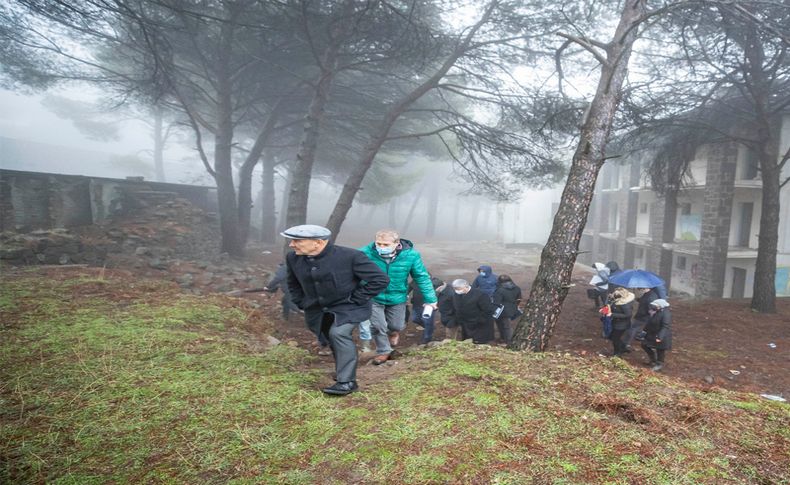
715	342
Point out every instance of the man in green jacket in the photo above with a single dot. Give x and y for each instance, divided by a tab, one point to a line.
398	258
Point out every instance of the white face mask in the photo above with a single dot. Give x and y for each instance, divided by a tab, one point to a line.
461	291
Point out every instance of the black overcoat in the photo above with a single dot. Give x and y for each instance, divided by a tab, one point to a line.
621	316
473	311
659	326
507	294
339	280
642	311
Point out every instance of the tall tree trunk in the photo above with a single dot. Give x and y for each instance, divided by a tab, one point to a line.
433	209
764	290
223	168
159	145
472	227
247	168
456	216
268	215
369	216
559	255
354	182
305	157
413	207
302	170
392	213
767	147
286	195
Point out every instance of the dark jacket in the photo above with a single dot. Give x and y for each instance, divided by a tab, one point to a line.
487	283
446	306
642	311
278	281
473	312
417	298
340	281
507	294
407	262
659	326
621	316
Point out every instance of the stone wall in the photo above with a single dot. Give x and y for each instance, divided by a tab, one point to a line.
716	216
38	201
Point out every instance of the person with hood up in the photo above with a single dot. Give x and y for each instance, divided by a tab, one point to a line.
507	295
657	338
621	305
644	297
600	281
399	260
485	281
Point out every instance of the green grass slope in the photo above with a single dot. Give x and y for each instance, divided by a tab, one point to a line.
126	381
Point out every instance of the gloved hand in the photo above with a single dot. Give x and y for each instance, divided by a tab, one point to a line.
605	310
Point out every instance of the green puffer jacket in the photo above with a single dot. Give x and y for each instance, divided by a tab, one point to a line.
406	262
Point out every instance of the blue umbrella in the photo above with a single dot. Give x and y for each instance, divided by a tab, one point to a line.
636	278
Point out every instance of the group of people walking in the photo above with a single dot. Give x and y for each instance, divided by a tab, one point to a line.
340	289
651	323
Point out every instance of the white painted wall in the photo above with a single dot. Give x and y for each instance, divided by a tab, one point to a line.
683	279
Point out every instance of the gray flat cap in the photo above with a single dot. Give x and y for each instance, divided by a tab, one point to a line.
306	231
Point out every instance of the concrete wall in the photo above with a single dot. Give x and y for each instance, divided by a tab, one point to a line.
33	200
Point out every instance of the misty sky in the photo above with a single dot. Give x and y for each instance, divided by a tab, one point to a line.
24	118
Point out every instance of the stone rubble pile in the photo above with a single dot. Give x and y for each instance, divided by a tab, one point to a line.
170	239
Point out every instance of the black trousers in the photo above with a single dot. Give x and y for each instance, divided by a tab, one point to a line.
617	341
505	329
655	355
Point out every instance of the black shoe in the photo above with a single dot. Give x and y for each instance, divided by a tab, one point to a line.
341	388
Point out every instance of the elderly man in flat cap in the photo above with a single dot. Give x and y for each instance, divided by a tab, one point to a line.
334	286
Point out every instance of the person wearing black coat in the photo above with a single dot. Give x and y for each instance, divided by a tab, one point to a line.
445	295
644	296
621	305
334	286
472	311
508	295
658	333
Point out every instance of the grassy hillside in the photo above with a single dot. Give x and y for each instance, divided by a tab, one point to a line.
128	381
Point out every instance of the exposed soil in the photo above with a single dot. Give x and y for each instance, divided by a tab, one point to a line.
715	342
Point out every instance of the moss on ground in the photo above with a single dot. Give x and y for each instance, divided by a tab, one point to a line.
128	381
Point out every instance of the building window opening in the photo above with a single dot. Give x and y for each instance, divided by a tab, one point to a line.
750	165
